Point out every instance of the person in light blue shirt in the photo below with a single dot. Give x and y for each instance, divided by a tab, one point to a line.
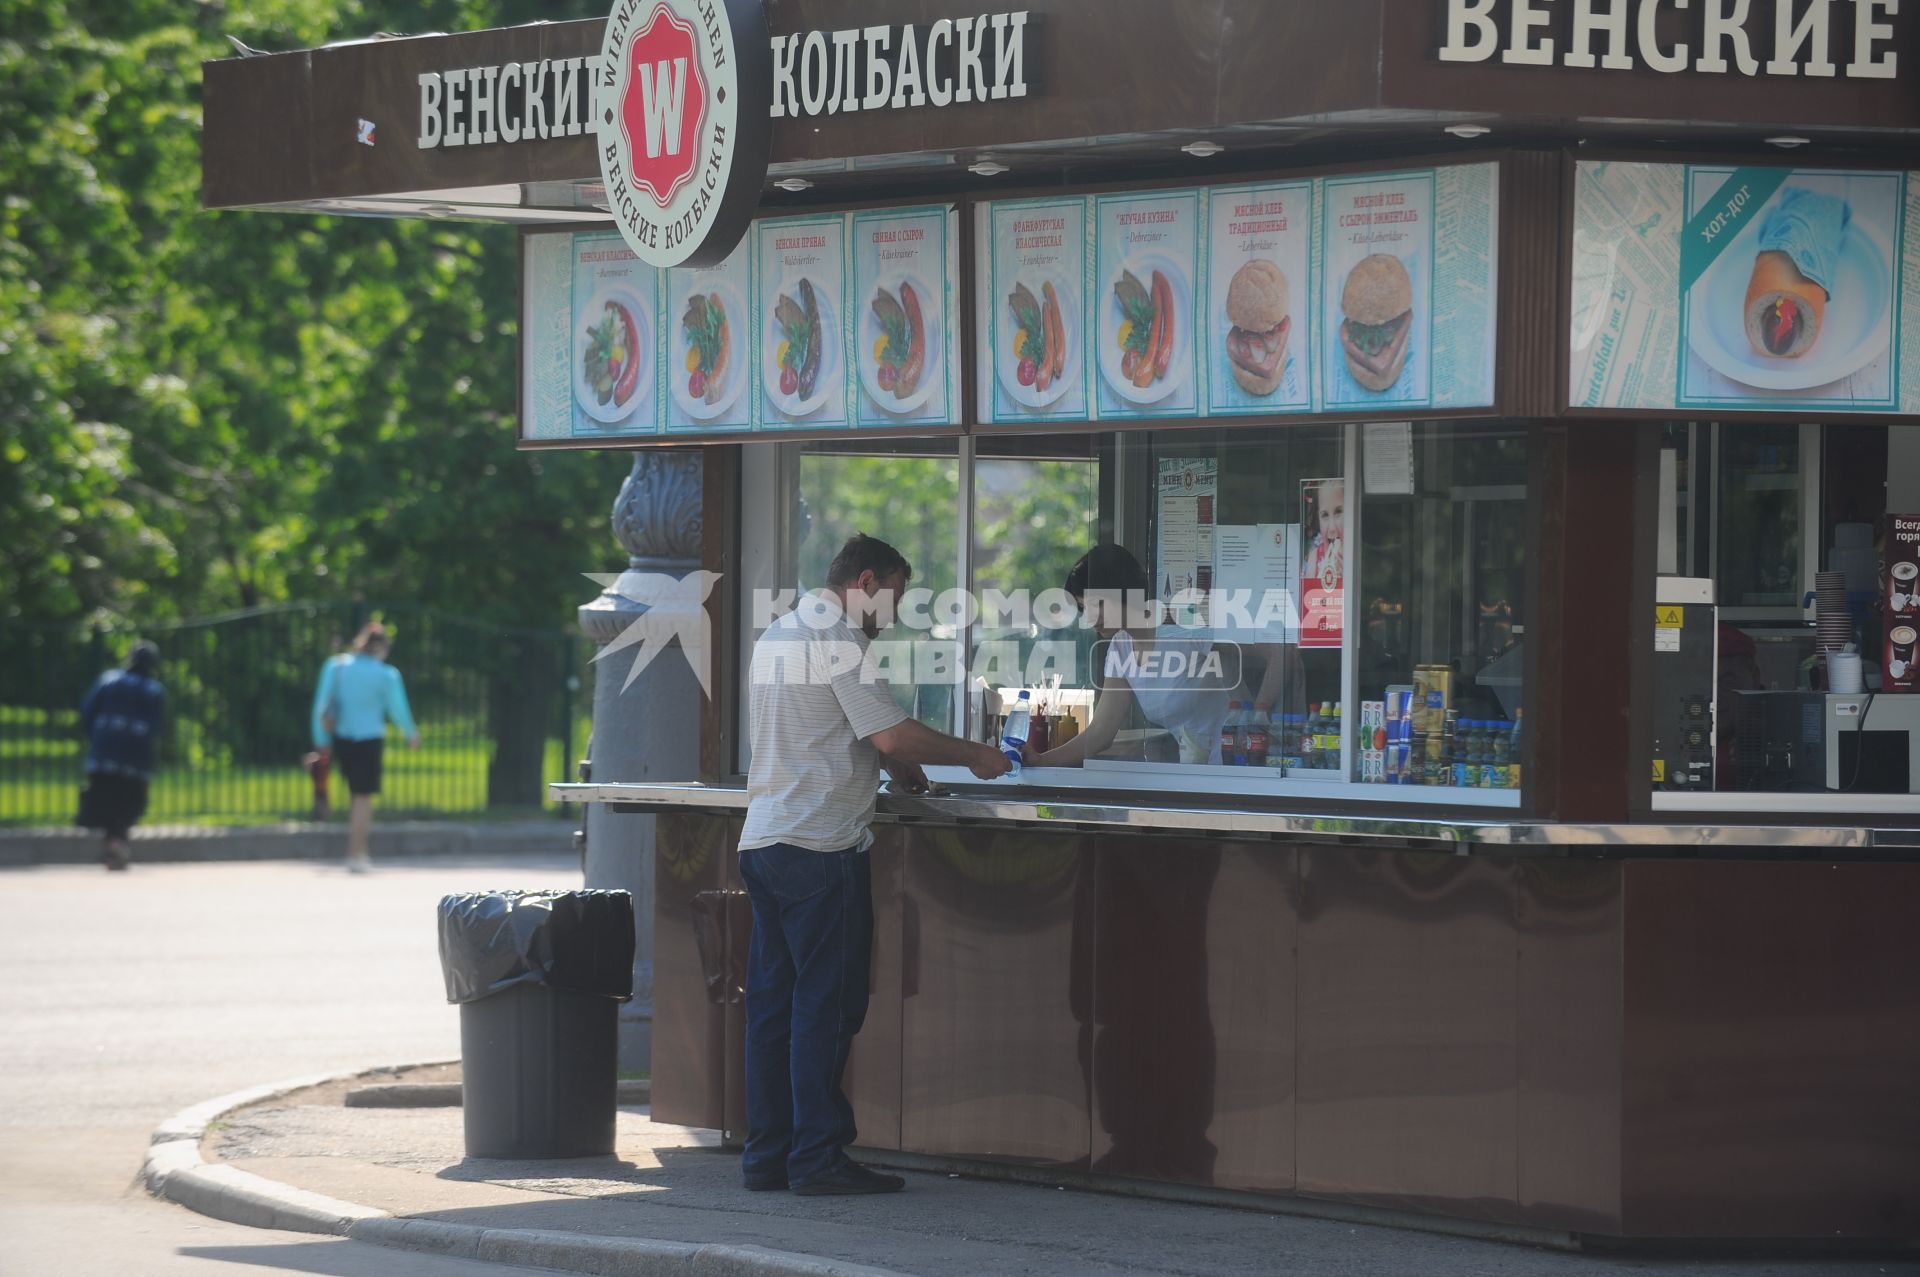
358	695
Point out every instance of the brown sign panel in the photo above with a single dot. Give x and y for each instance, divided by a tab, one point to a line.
1770	65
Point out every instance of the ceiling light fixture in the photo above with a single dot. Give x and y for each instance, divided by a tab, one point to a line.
1203	150
1468	131
988	168
794	184
1786	143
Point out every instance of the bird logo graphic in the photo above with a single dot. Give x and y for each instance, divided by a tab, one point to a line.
676	607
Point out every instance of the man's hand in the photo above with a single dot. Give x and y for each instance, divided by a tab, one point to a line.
907	778
987	762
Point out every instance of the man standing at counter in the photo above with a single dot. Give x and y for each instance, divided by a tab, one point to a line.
822	726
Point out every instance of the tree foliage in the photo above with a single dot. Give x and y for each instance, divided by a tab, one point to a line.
203	410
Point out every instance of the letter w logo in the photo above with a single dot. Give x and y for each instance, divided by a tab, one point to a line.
663	104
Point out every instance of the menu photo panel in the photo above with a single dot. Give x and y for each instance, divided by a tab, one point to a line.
1146	281
905	348
1744	288
590	347
1033	315
710	347
803	323
1260	299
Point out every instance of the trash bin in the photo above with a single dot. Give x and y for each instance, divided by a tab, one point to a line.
539	977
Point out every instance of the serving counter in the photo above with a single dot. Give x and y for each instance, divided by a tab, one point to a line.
1629	1031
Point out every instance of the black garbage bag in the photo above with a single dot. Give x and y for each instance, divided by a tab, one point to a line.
579	941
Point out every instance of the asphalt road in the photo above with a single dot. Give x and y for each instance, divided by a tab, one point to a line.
127	997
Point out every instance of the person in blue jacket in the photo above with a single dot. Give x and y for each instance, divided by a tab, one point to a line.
359	694
120	718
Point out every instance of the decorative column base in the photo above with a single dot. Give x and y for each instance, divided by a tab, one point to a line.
649	731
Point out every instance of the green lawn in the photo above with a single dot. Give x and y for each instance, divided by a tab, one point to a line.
41	773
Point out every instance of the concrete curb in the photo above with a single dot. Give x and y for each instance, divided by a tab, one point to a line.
394	840
448	1095
175	1171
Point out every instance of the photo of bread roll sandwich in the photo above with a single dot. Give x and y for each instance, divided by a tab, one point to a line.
1801	237
1378	304
1259	306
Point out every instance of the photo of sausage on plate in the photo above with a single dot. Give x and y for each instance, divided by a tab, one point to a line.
899	350
1801	238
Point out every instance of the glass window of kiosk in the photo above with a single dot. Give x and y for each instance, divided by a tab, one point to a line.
1313	611
800	504
1258	611
1785	619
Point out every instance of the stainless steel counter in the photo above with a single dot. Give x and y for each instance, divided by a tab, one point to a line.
1461	834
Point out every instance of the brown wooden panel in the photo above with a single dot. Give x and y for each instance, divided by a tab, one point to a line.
996	1017
1568	1158
1407	1031
1579	644
692	861
1532	279
1772	1062
873	1070
1193	1044
1413	78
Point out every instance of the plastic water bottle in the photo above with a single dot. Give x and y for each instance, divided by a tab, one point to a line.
1515	751
1014	735
1259	740
1233	736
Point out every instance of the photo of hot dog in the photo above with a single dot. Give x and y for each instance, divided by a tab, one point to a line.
1801	238
1259	306
613	360
1378	304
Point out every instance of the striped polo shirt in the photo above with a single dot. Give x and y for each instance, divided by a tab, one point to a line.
815	704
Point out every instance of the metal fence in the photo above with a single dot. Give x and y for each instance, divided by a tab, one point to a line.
501	712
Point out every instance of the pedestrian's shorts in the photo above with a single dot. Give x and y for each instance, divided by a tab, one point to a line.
359	762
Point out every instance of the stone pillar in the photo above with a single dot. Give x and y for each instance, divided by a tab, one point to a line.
649	731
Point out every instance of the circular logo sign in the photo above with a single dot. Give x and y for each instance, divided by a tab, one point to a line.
682	126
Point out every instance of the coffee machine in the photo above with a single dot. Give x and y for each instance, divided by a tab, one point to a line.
1873	744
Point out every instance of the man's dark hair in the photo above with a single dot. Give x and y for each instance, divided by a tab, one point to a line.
863	553
1107	569
144	659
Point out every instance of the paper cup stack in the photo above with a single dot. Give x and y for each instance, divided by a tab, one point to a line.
1844	673
1833	623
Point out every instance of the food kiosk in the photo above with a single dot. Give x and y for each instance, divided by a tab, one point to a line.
1552	864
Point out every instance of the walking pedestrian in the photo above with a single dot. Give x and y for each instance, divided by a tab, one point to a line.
120	718
358	695
822	727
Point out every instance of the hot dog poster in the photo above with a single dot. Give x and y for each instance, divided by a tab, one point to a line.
1376	319
589	356
804	323
1744	288
1146	275
1260	311
1033	315
904	283
710	345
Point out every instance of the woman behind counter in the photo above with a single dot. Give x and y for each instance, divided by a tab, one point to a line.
1190	708
359	694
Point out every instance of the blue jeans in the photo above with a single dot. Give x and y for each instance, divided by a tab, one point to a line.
807	978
